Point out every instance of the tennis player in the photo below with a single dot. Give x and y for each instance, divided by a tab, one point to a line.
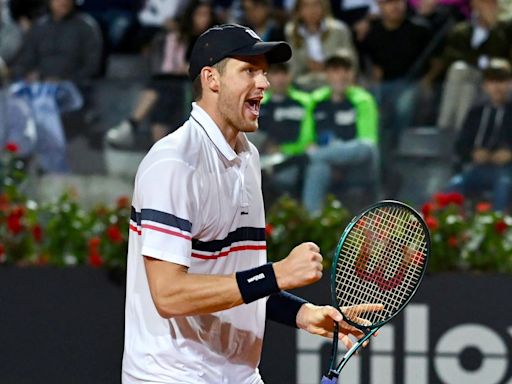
198	286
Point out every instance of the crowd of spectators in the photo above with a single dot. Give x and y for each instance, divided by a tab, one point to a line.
363	71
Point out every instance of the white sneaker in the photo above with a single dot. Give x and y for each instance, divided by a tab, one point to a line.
121	135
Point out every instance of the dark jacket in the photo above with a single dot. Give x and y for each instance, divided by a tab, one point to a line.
68	49
485	127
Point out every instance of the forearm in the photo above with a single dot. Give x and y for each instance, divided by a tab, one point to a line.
194	294
176	292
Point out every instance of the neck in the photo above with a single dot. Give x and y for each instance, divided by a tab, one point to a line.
392	24
229	132
312	27
338	96
497	103
60	17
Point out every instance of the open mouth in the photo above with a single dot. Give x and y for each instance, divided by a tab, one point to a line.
254	106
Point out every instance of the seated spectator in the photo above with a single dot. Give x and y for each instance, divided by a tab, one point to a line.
395	47
17	122
162	99
314	35
468	48
47	102
63	45
440	16
62	52
286	130
257	15
346	121
484	144
11	37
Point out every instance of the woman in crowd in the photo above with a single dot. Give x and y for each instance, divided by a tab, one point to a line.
162	100
314	35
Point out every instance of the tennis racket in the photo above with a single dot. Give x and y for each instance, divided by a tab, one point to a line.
381	258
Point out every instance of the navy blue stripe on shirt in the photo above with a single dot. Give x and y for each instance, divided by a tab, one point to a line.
164	218
135	216
240	234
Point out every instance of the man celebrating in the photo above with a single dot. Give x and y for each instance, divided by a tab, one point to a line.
197	282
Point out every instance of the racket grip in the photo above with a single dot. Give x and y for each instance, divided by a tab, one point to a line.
326	380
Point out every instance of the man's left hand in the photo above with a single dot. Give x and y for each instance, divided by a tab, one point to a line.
319	320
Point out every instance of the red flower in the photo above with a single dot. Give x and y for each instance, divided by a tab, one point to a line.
456	198
95	260
94	243
123	202
14	224
37	233
432	223
427	209
442	199
453	242
11	147
500	227
114	234
483	207
18	211
445	199
269	229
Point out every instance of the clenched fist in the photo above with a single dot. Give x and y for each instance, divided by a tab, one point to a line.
303	266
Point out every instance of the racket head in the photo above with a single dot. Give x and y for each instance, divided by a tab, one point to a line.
381	257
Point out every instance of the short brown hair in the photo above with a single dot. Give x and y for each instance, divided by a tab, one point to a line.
197	87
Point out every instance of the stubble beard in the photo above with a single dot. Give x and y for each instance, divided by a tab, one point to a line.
228	108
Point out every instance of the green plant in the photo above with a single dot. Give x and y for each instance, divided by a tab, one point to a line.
464	237
289	224
61	232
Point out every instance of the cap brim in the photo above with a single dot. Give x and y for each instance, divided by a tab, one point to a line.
275	52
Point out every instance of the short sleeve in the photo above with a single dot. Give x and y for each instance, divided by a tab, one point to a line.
165	199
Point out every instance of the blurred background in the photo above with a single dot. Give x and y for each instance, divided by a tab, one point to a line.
398	99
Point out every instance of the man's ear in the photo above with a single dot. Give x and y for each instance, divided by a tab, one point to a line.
210	77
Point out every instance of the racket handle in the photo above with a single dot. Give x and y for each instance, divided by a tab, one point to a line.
326	380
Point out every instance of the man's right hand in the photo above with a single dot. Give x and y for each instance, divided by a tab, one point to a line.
303	266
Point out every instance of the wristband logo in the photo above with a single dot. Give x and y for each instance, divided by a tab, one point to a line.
258	277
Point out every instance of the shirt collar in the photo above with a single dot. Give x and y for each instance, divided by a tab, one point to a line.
203	119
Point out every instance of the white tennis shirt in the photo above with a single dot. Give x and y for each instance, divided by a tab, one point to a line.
197	203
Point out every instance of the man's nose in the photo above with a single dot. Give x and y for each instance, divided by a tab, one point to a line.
262	82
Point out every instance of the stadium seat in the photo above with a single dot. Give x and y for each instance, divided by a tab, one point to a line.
424	161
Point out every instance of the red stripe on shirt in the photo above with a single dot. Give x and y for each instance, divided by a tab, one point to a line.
166	231
135	229
227	252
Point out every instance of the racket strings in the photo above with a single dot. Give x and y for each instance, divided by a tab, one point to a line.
392	270
380	261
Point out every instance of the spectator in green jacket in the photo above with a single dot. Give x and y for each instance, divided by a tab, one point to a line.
286	130
346	120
